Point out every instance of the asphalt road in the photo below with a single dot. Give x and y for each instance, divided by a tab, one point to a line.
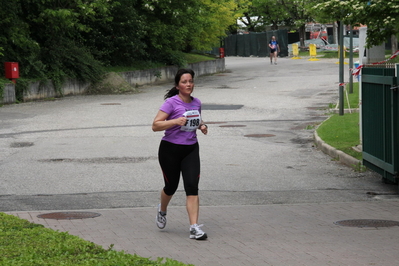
93	152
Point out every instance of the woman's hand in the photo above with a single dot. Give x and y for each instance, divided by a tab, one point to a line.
181	121
204	129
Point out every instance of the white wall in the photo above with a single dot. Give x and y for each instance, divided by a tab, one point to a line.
373	54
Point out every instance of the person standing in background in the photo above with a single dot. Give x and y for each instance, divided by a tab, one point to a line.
274	50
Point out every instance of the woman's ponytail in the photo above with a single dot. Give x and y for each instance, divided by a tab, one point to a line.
172	92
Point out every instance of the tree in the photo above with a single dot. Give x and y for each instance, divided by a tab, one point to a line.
76	38
191	24
45	37
272	13
119	41
380	16
16	41
298	11
213	19
249	16
286	12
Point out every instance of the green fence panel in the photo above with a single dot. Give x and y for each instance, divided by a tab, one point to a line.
230	45
243	46
255	44
263	47
380	121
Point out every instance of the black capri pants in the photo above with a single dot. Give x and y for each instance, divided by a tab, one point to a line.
175	158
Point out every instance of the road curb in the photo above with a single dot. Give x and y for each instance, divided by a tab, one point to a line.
334	153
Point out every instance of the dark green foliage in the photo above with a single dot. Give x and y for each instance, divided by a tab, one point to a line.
171	58
45	39
16	40
119	42
69	39
77	39
20	87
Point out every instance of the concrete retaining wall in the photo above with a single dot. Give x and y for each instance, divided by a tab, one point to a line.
166	74
8	94
37	91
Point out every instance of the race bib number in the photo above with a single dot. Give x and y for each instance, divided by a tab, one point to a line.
193	120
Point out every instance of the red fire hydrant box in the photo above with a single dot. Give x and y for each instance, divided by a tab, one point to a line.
12	70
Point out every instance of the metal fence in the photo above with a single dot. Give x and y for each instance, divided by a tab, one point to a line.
255	44
380	120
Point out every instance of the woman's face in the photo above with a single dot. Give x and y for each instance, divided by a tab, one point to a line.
186	84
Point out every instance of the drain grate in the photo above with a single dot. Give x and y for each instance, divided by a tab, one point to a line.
367	223
259	135
68	215
110	104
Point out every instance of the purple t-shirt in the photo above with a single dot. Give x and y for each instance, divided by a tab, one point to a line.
175	107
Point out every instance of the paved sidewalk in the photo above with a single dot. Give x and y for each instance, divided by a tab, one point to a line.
269	200
286	234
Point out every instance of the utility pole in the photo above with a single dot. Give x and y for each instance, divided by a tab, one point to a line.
351	60
341	68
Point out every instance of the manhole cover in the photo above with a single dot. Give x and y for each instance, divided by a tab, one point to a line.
100	160
223	87
259	135
367	223
214	123
21	144
68	215
221	106
110	104
233	126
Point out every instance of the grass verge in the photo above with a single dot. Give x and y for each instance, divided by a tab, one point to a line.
140	65
342	132
25	243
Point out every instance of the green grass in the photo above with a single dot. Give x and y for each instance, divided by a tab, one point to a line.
25	243
140	65
353	97
328	54
342	132
195	58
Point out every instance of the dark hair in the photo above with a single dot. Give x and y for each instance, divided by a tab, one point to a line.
174	91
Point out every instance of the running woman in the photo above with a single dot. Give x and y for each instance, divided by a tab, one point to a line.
274	49
180	117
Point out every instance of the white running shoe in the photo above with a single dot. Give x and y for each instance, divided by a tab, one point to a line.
197	233
160	219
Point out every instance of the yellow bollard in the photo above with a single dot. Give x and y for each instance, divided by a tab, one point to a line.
312	52
295	51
